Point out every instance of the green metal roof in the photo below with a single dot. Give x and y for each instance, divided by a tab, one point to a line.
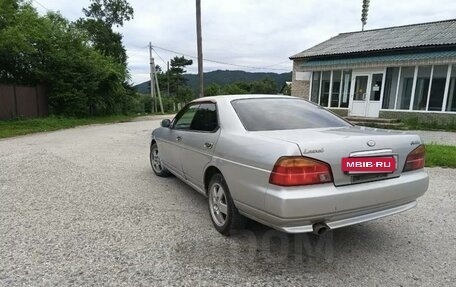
380	59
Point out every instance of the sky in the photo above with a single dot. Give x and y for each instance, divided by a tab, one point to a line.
257	35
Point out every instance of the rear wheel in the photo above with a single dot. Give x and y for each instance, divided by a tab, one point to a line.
224	214
156	162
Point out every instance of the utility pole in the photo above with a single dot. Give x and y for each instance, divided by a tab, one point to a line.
200	48
159	95
364	13
167	74
152	78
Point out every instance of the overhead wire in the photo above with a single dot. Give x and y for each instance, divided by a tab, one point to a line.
164	62
268	67
222	62
41	5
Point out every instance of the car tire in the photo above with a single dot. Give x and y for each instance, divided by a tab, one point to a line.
155	161
224	214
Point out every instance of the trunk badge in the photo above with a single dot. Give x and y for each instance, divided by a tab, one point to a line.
371	143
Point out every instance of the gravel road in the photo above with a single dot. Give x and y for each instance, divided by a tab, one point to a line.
81	207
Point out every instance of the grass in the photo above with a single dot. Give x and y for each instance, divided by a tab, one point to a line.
10	128
415	124
440	155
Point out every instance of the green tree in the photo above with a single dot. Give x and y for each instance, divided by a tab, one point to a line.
110	12
177	81
104	39
53	51
22	34
235	89
212	89
81	80
102	15
265	86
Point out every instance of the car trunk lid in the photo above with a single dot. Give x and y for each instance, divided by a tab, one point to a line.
332	144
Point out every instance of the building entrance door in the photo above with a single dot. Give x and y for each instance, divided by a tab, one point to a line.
365	94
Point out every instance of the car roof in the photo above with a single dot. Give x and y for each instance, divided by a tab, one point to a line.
242	96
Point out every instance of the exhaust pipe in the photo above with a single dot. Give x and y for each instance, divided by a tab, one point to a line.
320	228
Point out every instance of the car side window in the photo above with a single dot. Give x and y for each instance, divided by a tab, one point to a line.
205	118
184	119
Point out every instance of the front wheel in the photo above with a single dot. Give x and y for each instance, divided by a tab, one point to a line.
224	214
156	162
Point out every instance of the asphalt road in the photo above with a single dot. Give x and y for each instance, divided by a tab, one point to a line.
81	207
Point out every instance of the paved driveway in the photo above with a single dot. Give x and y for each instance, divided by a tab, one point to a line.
81	207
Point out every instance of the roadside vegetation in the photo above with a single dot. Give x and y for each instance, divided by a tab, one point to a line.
83	63
18	127
415	124
440	155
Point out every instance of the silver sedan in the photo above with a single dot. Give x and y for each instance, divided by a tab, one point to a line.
288	163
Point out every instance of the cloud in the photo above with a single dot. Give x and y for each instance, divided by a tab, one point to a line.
250	32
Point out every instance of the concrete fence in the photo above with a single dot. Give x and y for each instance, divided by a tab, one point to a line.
23	101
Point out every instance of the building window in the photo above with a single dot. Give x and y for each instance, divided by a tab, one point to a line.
325	83
404	94
346	81
331	88
451	100
437	88
315	87
335	88
376	87
389	98
422	87
360	88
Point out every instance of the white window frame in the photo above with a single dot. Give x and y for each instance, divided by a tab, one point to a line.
397	87
412	96
447	85
340	86
430	87
330	88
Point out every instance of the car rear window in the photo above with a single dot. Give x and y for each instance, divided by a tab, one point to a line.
268	114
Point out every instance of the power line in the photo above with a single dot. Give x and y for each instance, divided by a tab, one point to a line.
164	62
41	5
221	62
280	63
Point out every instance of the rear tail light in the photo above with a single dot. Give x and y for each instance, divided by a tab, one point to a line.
292	171
415	159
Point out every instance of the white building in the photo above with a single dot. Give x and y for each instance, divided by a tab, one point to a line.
390	72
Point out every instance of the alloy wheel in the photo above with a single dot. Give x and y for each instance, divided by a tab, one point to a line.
156	161
218	204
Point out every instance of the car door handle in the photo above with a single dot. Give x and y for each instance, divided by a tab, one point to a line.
208	145
179	138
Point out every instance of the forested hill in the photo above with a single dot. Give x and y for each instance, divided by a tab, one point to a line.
226	77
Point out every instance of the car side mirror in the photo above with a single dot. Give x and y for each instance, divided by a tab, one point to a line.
165	123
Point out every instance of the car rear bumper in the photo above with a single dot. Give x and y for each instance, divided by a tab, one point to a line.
352	219
296	209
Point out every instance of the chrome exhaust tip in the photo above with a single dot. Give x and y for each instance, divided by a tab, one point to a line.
320	228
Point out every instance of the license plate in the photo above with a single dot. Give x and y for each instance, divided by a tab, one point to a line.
368	164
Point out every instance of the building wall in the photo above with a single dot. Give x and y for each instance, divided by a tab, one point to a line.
299	88
340	112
